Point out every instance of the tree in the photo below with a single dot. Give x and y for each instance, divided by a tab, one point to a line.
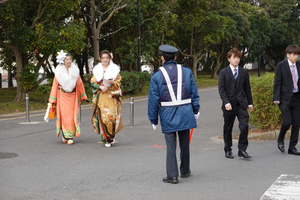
284	27
100	13
25	26
156	24
207	28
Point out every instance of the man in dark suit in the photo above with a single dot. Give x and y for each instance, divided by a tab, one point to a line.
235	92
286	94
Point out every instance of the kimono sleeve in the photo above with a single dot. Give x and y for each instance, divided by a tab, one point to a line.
54	90
81	90
95	85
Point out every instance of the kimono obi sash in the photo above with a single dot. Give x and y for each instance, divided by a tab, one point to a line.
62	90
175	92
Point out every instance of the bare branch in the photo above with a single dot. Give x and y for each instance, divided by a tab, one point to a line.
110	16
111	8
39	14
42	60
187	55
7	46
151	18
111	33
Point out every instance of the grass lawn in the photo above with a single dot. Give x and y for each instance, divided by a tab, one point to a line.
38	100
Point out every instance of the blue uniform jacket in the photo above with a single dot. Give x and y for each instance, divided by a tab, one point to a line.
173	119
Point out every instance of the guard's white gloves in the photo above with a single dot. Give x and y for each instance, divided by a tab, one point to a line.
154	127
197	115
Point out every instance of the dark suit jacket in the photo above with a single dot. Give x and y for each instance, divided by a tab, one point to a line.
283	82
235	91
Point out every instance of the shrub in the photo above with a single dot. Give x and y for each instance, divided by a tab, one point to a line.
266	115
46	88
29	77
133	81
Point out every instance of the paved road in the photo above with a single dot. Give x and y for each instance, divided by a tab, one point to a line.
133	168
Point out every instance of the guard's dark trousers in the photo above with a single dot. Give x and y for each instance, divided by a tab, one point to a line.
172	168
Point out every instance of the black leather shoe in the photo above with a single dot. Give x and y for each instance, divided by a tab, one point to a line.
185	175
172	180
244	154
228	154
280	146
294	151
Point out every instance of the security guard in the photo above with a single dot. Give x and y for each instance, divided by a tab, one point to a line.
174	96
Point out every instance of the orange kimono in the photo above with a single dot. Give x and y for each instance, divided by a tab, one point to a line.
67	104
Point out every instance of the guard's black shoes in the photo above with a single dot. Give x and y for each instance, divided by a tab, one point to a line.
280	146
228	154
185	175
244	154
172	180
294	151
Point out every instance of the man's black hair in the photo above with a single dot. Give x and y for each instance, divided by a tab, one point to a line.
168	56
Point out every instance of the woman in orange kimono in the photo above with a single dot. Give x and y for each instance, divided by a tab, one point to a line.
67	93
107	105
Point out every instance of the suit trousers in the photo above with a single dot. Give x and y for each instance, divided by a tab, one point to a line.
229	117
172	168
290	116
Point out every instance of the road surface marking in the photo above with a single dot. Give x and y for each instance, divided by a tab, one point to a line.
158	146
287	186
31	122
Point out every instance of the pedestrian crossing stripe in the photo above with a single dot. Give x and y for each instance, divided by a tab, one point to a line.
287	186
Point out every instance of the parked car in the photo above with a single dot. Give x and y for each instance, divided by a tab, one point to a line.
147	68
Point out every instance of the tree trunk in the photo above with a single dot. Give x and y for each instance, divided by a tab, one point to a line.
9	78
96	46
216	69
95	32
20	95
130	67
270	63
80	63
86	61
194	69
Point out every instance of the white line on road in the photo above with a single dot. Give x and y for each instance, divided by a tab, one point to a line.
287	186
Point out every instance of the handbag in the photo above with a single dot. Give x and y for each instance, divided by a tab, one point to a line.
52	111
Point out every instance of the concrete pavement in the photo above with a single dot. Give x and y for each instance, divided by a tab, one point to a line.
133	168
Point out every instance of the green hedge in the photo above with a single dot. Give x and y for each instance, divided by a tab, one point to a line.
266	115
133	81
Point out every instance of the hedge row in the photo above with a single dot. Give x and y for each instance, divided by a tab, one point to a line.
133	81
266	115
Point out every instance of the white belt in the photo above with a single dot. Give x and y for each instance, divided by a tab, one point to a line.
176	103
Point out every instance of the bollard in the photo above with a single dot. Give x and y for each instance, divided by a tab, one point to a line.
131	111
27	107
79	114
0	80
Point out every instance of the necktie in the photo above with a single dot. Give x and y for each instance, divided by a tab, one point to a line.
294	77
235	75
